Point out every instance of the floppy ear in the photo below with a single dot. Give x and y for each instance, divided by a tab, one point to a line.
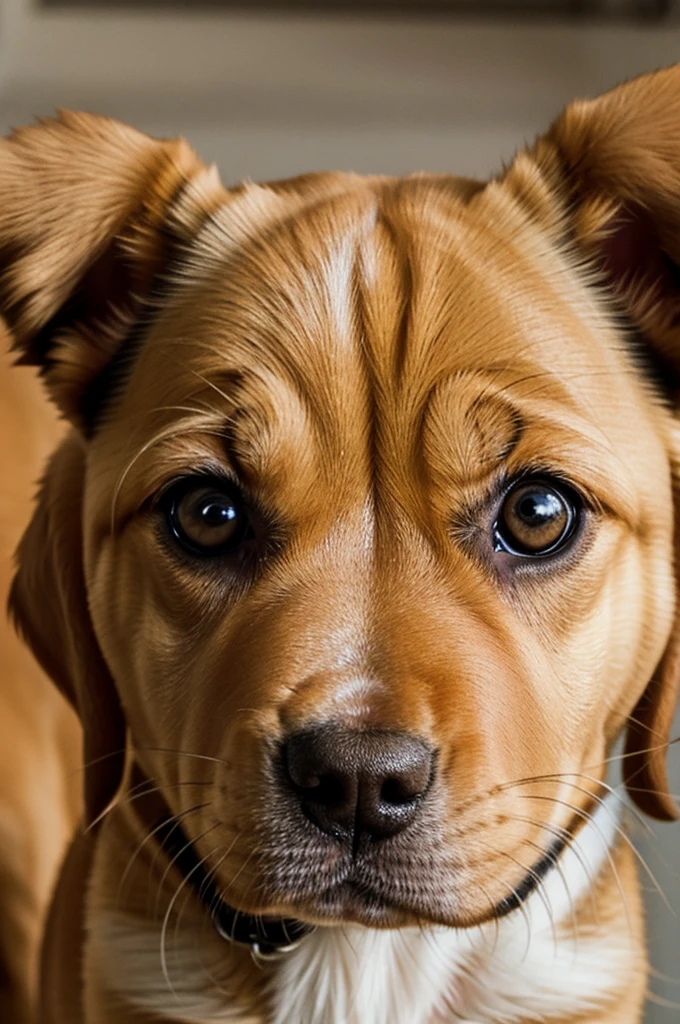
92	214
613	164
48	601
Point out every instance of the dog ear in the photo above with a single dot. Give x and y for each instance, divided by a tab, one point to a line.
613	165
48	602
92	214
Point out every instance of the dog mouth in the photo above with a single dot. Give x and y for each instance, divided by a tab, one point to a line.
364	900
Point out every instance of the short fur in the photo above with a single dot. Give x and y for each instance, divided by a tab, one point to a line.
372	360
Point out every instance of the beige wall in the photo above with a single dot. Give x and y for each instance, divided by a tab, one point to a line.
268	98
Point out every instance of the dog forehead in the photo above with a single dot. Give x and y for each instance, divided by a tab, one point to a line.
348	309
346	284
396	279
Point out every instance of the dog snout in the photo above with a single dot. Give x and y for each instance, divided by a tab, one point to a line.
352	784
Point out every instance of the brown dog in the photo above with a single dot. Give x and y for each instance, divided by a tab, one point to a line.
357	559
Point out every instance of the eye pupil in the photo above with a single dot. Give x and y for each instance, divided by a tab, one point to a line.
536	509
537	518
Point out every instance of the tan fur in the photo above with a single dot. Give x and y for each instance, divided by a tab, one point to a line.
40	780
369	358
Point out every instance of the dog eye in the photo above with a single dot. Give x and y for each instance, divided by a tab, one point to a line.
207	518
537	517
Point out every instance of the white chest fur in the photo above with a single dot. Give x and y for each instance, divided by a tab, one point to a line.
496	974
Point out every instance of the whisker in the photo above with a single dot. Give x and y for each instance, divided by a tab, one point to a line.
168	912
212	385
660	1001
635	753
184	753
571	843
520	905
621	832
660	976
154	831
646	789
590	778
558	867
540	892
496	921
172	862
126	800
209	876
585	816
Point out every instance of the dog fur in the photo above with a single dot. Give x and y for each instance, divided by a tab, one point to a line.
372	362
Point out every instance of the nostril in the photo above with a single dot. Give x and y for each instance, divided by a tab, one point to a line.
327	790
397	792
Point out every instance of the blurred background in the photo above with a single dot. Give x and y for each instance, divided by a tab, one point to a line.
270	89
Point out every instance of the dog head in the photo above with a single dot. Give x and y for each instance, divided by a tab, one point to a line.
366	517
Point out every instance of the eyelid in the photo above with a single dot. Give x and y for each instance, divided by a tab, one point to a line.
212	474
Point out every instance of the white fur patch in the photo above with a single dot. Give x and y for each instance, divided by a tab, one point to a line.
354	975
500	973
337	271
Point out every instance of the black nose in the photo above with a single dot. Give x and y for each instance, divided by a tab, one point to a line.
351	783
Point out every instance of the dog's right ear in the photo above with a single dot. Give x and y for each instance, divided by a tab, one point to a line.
48	602
92	215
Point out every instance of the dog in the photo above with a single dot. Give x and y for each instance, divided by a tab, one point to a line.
355	558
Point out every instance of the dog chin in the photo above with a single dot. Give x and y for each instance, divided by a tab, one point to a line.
357	903
370	902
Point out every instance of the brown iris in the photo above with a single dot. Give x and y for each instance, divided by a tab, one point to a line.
536	518
206	518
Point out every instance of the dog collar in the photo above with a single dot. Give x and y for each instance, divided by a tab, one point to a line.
265	937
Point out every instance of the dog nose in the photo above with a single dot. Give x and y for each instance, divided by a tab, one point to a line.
351	783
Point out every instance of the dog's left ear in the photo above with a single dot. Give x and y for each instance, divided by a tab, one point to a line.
605	181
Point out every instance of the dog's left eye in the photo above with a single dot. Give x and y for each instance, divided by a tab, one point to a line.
537	517
207	517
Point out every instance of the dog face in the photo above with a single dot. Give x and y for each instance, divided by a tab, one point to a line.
366	520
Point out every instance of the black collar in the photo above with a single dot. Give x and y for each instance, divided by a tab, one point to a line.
264	936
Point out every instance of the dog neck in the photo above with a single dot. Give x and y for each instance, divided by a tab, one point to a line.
549	957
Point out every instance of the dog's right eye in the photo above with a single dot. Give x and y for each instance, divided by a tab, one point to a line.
207	517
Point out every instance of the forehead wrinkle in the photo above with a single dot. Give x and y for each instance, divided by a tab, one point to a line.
302	326
549	434
474	291
450	305
466	430
182	444
406	317
306	321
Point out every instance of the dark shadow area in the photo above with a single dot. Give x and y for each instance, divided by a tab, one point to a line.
647	10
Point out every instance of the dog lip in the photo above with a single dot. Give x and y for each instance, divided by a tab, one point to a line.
269	936
531	880
264	936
